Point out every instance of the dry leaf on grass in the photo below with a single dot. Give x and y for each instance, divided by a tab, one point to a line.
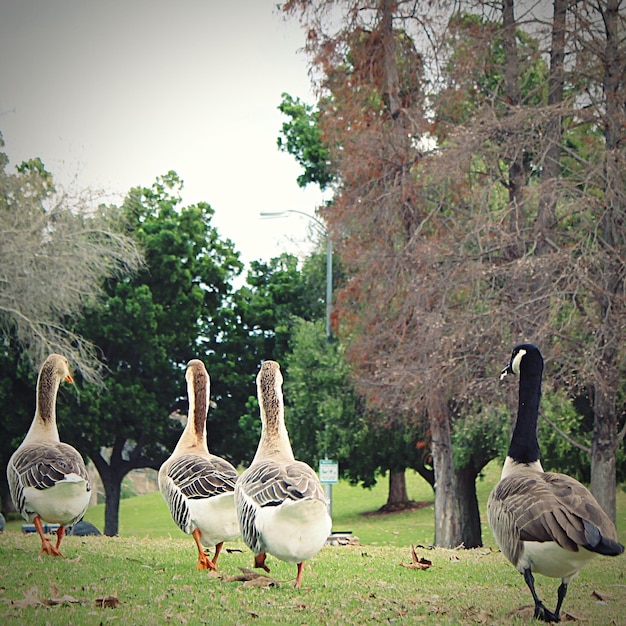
32	599
261	581
107	602
603	597
64	599
417	562
251	579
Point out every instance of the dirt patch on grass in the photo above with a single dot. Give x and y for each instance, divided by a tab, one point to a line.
390	509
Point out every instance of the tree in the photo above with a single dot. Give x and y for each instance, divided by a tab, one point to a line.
147	329
551	257
372	117
55	251
456	253
264	311
301	137
327	419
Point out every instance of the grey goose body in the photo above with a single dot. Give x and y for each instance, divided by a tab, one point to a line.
48	479
197	486
280	502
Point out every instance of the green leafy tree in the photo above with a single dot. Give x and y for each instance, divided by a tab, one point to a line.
147	329
302	138
262	321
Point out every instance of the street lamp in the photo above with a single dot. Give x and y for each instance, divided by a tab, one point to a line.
328	484
329	257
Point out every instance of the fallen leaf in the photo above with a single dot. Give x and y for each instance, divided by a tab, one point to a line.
107	602
65	599
261	581
417	562
31	598
252	579
601	596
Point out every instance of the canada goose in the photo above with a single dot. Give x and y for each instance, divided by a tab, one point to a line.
48	479
280	502
543	522
198	486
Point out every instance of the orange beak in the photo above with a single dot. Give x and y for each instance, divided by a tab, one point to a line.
69	379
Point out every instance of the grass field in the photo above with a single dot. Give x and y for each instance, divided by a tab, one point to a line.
147	575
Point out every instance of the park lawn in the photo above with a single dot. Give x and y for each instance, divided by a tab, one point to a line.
148	573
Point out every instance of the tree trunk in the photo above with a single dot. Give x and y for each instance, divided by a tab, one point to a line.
112	490
397	497
611	284
515	155
447	523
392	81
551	166
469	512
112	473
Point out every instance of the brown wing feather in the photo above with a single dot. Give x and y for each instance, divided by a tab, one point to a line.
550	507
42	466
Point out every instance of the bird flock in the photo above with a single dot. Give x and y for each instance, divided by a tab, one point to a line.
543	522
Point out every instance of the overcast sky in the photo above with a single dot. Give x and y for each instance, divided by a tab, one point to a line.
111	94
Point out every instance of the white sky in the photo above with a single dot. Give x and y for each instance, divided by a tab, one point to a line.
113	93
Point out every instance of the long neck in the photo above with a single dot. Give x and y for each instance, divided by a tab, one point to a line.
195	435
274	436
44	425
524	447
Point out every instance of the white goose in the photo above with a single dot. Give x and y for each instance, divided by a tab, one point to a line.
198	486
543	522
48	479
280	501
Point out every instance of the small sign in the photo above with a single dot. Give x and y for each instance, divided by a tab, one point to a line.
329	472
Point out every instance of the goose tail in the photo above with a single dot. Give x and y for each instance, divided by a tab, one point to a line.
600	544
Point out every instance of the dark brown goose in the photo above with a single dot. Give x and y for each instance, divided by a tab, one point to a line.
280	502
198	486
48	479
544	522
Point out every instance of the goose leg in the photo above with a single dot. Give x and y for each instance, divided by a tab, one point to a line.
46	546
204	562
560	597
218	549
541	612
299	576
60	535
259	561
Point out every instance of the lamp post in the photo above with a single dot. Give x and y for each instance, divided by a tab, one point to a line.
328	484
329	257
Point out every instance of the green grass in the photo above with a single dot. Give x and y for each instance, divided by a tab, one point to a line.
150	569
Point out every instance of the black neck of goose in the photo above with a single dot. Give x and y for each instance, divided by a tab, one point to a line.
524	447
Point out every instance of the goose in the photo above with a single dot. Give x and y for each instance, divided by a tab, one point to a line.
198	486
280	502
543	522
48	479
